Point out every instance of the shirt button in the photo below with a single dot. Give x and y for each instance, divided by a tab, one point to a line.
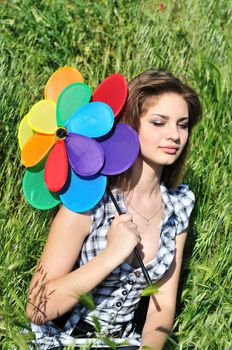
137	273
118	304
131	282
112	314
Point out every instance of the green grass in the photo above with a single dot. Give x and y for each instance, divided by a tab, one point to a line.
190	38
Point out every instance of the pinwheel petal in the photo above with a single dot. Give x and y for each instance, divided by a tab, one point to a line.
70	100
35	190
36	149
93	120
56	168
85	155
83	194
59	80
25	132
121	148
42	117
113	91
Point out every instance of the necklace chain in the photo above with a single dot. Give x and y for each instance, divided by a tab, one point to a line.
143	217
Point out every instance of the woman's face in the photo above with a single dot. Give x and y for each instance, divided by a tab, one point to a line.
163	131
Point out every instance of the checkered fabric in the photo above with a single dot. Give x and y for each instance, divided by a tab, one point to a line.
117	297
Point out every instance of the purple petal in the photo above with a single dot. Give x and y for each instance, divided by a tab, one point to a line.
121	148
85	155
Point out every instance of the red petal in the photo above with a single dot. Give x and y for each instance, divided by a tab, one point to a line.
112	91
56	168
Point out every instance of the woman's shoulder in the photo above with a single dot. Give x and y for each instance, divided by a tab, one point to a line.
183	194
180	201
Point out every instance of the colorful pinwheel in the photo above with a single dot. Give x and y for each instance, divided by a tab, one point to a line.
70	147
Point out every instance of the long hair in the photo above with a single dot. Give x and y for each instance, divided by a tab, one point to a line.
142	91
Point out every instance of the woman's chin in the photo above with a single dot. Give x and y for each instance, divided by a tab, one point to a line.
162	160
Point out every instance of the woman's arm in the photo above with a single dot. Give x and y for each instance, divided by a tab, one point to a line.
55	288
161	309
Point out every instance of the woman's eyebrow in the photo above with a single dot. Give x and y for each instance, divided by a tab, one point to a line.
164	116
161	115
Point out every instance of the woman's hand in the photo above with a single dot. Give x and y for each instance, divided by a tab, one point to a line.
122	236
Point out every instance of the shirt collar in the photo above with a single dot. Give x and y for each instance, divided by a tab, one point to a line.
167	198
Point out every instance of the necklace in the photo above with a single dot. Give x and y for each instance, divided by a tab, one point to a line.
143	217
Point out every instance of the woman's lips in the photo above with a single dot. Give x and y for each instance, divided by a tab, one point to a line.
170	150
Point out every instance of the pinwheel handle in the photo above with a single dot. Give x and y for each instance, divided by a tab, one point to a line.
146	275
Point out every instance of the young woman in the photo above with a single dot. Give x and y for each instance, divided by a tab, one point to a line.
93	252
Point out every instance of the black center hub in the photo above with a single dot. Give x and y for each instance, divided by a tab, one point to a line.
61	133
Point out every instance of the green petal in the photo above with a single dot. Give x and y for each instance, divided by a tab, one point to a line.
35	190
70	100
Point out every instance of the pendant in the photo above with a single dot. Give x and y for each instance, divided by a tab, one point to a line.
147	224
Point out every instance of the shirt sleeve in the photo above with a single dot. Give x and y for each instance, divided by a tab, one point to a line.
98	213
184	206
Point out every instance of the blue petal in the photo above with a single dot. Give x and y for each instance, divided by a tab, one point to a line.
82	194
92	120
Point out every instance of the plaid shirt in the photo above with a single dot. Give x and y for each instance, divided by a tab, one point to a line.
117	297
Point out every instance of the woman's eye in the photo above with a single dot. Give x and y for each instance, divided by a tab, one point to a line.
183	126
158	123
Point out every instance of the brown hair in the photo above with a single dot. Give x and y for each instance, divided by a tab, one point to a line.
142	90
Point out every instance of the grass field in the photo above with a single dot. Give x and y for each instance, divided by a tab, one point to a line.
190	38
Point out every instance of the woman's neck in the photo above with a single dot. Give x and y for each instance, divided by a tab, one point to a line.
145	181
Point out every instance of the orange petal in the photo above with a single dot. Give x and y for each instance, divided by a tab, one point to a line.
59	80
36	149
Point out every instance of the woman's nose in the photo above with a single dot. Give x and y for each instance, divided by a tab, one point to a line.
173	133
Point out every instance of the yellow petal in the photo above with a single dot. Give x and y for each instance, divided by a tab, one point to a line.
25	132
42	117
